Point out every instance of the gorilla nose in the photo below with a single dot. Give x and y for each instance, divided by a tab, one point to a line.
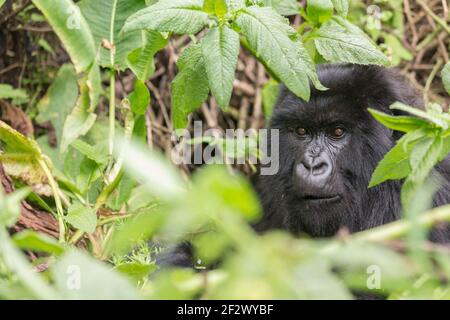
313	172
316	169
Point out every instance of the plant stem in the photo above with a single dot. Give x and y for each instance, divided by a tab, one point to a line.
112	112
399	228
56	194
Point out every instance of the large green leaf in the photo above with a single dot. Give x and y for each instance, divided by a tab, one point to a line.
220	49
268	36
399	123
340	41
73	30
59	100
190	87
106	18
395	165
178	16
141	61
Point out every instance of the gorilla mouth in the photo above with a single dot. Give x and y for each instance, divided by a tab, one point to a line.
321	198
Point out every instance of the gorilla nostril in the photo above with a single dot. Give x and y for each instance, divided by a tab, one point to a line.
319	169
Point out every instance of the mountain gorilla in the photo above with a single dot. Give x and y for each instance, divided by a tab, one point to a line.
328	149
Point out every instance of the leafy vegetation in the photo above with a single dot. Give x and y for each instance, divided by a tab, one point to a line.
116	203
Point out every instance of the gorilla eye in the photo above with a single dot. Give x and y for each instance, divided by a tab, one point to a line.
338	132
301	132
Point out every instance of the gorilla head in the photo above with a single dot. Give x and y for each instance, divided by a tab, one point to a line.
328	149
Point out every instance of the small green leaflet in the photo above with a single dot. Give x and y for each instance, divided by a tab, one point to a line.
8	92
178	16
395	165
82	217
220	49
190	87
216	7
319	11
446	77
139	98
141	60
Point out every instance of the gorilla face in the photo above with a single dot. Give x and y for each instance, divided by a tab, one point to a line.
329	148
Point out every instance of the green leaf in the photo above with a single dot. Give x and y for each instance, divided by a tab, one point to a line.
97	153
395	164
139	98
178	16
319	11
341	6
38	242
425	155
59	100
398	123
10	206
82	217
73	30
2	2
21	156
82	117
432	116
8	92
216	7
340	41
106	19
397	51
190	87
136	270
284	7
268	36
446	77
78	276
141	60
270	93
220	49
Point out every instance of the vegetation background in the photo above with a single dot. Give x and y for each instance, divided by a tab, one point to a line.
414	35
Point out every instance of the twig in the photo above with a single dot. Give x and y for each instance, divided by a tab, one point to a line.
434	16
